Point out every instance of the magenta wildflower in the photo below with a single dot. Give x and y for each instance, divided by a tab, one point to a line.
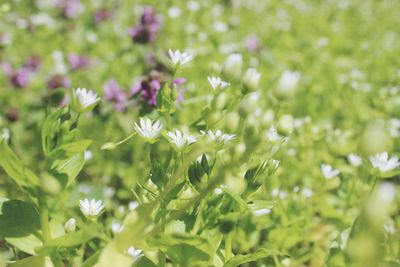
58	81
78	61
115	95
146	30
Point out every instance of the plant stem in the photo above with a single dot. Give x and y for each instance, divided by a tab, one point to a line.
44	218
228	247
44	223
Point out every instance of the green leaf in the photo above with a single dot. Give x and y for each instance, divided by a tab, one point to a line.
184	248
111	255
51	126
69	240
18	219
258	255
68	160
26	244
13	166
34	261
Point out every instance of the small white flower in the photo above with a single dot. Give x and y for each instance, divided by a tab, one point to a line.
233	65
354	159
218	191
218	136
178	58
288	80
5	134
148	129
108	191
70	225
216	82
91	208
382	162
273	135
394	127
180	139
134	253
328	171
88	155
116	227
261	212
133	205
307	192
84	100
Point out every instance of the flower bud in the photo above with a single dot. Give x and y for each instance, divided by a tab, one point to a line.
219	101
232	121
50	185
251	80
233	66
374	138
285	124
70	225
287	84
249	104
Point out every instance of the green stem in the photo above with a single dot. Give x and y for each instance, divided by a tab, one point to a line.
44	222
228	247
44	218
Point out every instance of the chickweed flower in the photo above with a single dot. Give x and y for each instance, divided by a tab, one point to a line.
70	225
218	136
84	100
328	171
354	159
273	135
216	82
382	162
116	228
91	208
5	134
233	65
178	58
134	253
149	130
180	140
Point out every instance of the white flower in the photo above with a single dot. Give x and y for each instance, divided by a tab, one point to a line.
307	192
91	208
216	82
88	155
135	253
218	136
5	134
70	225
181	139
382	162
288	81
328	171
394	127
178	58
354	159
233	65
149	130
218	191
116	227
133	205
84	100
273	135
261	212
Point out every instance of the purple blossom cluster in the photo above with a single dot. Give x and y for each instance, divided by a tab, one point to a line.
146	29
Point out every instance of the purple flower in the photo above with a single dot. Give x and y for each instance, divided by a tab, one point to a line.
32	63
78	61
101	15
150	90
70	8
252	43
146	30
20	78
181	92
115	95
58	81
